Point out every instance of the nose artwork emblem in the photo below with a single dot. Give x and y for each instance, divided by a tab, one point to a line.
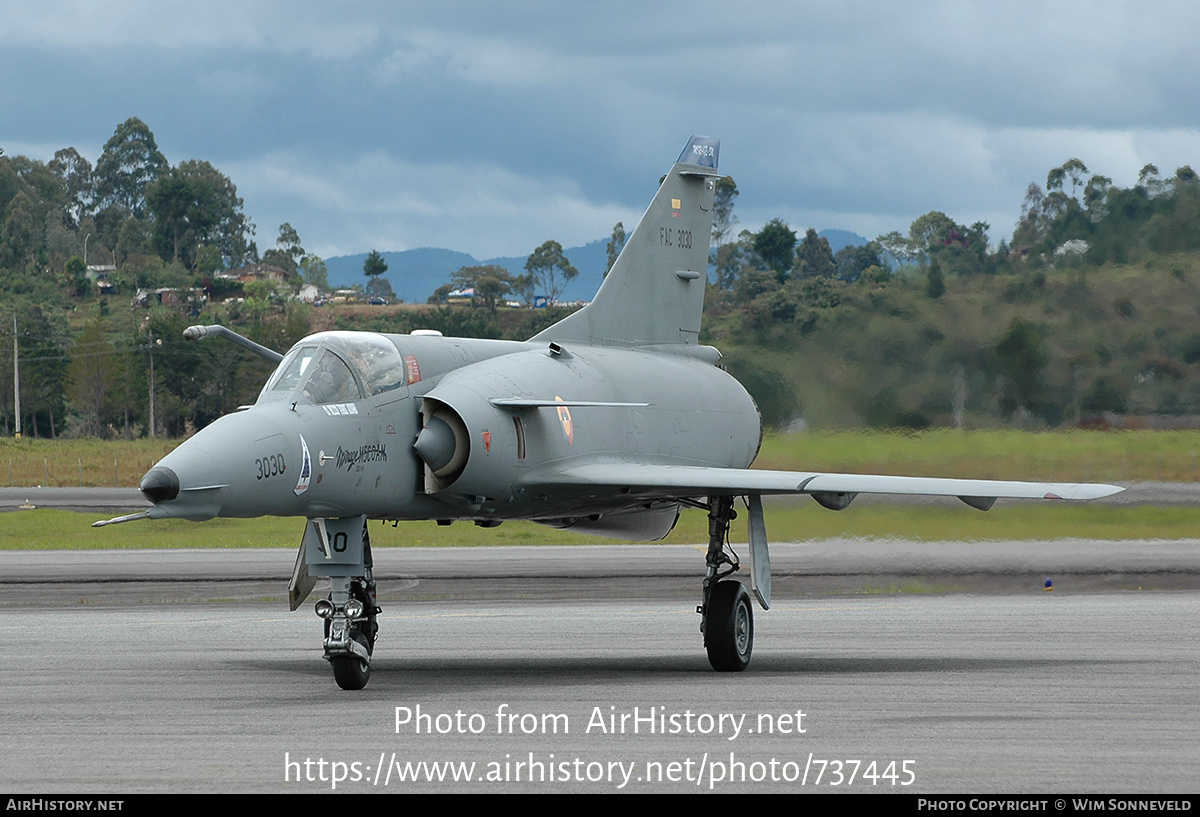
305	468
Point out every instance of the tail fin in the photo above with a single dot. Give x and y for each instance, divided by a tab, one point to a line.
654	294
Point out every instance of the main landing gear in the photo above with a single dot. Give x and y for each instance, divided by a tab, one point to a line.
726	617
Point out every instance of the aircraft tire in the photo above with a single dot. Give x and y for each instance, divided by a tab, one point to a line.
729	627
349	671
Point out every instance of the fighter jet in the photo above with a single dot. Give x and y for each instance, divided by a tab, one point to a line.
608	422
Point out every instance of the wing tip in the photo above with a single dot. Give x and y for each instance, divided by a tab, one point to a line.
1087	490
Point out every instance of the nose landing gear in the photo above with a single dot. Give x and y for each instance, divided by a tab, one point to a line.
350	630
341	550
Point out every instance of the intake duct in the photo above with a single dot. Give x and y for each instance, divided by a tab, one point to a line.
443	444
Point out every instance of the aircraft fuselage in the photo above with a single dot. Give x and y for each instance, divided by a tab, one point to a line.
322	449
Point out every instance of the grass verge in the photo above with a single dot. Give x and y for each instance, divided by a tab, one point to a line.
1069	456
65	530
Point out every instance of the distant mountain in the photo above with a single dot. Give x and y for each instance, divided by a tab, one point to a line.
591	260
415	274
841	238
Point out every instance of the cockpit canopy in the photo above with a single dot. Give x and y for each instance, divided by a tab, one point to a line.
337	367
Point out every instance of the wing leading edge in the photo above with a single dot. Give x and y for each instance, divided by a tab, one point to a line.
671	481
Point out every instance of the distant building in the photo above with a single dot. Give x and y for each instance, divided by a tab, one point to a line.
170	296
257	272
99	275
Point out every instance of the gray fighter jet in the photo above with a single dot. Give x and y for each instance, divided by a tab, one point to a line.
609	422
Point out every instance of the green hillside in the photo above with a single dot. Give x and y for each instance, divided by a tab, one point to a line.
1084	316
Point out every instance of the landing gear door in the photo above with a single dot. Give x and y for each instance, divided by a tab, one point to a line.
334	547
302	582
760	558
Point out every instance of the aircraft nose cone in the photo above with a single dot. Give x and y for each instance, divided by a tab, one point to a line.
160	484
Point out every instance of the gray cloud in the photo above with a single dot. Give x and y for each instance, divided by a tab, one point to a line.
492	127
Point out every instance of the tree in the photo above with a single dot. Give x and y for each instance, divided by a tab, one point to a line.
490	283
615	245
208	259
314	271
935	286
94	377
287	252
194	204
21	231
1149	181
897	246
130	161
550	270
525	286
441	294
814	258
1072	170
44	340
852	260
75	174
928	232
288	243
76	275
775	244
1103	396
725	194
1021	357
380	287
170	200
1095	196
962	250
721	258
731	258
375	264
1032	227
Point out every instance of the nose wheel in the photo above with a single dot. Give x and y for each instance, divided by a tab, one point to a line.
350	636
350	671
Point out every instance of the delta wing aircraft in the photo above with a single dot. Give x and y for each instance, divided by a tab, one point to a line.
608	422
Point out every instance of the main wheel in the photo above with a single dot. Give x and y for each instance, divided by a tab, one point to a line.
729	627
349	671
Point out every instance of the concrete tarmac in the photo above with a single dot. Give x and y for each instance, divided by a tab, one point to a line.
582	668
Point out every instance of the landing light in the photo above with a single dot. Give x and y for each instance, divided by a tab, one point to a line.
324	608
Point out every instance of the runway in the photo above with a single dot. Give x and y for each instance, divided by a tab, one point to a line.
110	685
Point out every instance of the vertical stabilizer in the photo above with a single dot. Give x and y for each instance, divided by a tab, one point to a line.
654	293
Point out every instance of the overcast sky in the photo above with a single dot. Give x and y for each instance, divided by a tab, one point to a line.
492	127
